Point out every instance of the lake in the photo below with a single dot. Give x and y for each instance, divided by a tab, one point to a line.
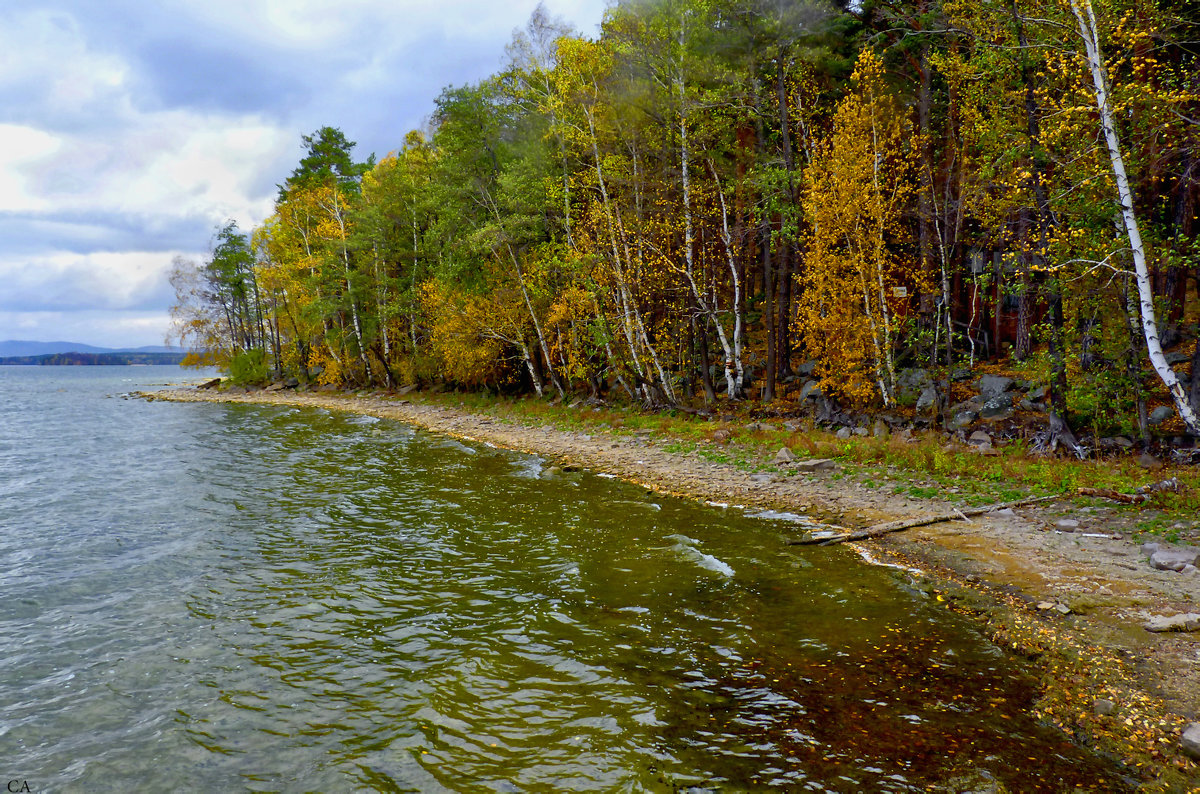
230	597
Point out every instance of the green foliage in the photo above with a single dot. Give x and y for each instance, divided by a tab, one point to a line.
249	368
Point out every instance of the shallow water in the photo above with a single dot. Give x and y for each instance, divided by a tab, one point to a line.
201	596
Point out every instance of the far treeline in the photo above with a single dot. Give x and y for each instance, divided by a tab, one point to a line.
714	192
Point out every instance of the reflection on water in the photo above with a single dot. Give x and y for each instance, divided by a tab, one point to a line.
204	596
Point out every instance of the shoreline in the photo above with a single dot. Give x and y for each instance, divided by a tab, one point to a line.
1071	599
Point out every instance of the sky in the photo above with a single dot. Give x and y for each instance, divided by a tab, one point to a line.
131	129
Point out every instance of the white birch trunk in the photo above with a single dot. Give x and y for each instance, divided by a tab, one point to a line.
1086	19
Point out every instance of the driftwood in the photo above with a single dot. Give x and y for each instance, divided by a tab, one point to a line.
1108	493
896	526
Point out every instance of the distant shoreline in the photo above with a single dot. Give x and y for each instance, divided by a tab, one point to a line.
94	359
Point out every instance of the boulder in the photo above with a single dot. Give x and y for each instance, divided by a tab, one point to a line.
784	455
1189	621
996	406
927	399
992	385
721	436
276	386
210	384
962	419
1161	414
815	464
880	429
844	433
1173	559
811	389
1066	524
910	383
1191	740
980	438
807	368
1148	461
761	427
1104	707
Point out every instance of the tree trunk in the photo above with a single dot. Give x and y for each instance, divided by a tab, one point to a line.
1086	19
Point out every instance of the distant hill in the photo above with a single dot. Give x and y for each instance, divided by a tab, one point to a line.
94	359
17	347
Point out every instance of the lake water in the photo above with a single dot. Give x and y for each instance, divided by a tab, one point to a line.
204	597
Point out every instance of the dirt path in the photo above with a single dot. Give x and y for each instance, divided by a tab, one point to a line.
1014	560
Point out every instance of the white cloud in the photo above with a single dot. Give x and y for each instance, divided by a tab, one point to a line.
129	130
22	151
63	281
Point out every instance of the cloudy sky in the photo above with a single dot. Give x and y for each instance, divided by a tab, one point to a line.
129	129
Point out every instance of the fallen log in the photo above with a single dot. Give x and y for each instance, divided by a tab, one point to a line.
1116	496
912	523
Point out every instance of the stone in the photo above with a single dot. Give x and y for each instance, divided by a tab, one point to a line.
910	383
276	386
1191	740
960	373
405	390
980	438
1190	570
761	479
210	384
1177	358
1189	621
992	385
880	429
1037	393
761	427
962	419
721	436
807	368
843	433
1123	442
1150	548
784	455
927	399
1161	414
810	390
1173	559
996	406
860	431
1067	524
1148	461
1104	707
815	464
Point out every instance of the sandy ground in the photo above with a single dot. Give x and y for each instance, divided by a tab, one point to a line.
1096	570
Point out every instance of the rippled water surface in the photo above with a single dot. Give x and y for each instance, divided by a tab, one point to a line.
207	597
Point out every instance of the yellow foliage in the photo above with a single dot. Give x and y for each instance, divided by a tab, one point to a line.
858	188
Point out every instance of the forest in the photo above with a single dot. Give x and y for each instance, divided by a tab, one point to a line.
732	200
